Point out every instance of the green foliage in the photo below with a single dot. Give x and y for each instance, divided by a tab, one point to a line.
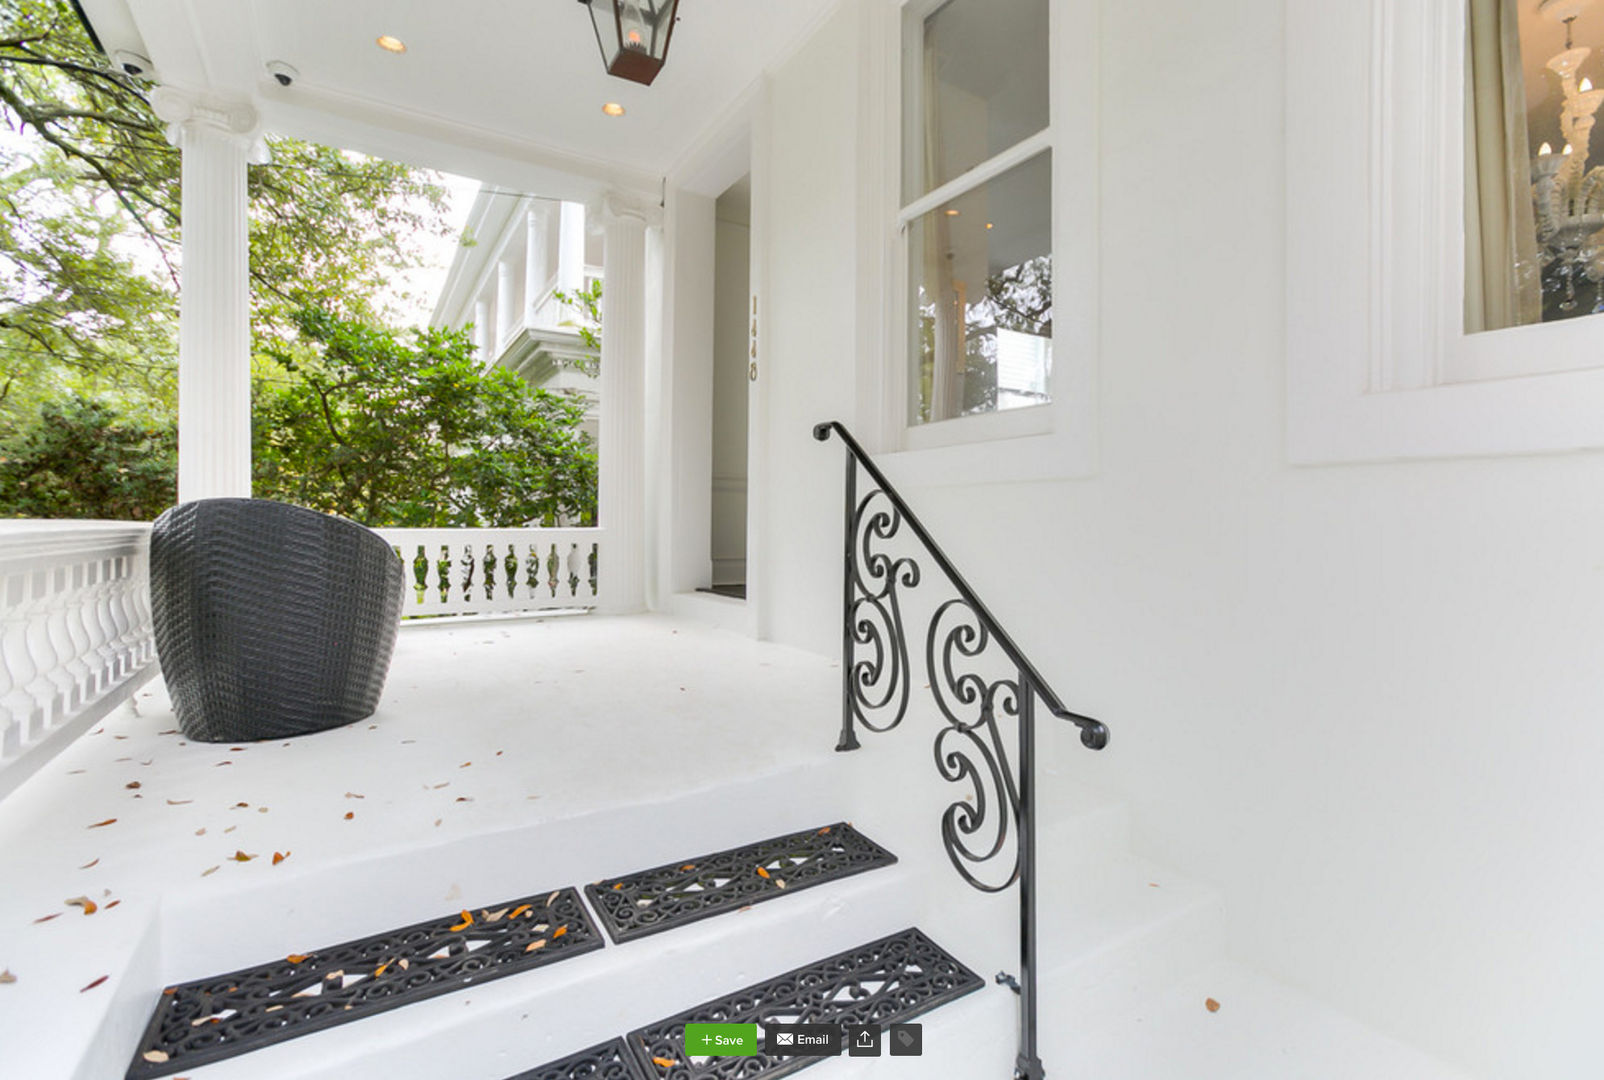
80	458
588	302
91	204
393	429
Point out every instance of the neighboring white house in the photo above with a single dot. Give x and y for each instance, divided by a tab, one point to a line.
518	252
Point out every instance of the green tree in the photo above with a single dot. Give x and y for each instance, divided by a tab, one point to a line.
393	428
90	188
588	302
82	459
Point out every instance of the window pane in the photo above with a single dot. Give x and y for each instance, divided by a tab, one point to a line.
981	271
1534	195
974	84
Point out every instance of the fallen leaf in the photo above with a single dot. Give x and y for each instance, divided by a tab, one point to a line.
213	870
437	787
231	828
533	945
220	764
381	969
467	921
7	977
349	814
119	736
96	983
354	795
75	772
279	857
155	1057
113	904
493	916
261	809
296	958
667	1063
240	806
780	881
272	1008
500	752
688	866
169	731
170	991
1211	1005
132	785
517	911
236	749
47	918
152	761
102	824
465	764
179	802
465	798
201	831
240	856
405	963
553	897
825	831
618	886
437	822
559	932
84	902
762	873
90	863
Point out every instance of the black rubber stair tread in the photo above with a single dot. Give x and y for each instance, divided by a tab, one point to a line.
685	890
200	1022
888	981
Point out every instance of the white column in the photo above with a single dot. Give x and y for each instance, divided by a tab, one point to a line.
571	248
622	453
534	263
481	330
214	333
506	303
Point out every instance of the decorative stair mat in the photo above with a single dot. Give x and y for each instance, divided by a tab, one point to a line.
884	982
204	1021
686	890
609	1061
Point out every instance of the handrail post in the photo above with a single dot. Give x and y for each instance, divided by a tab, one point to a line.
849	736
1028	1065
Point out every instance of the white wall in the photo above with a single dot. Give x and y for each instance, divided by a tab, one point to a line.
731	340
1365	700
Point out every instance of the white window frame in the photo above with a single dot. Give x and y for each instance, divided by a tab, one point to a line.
1379	364
1056	440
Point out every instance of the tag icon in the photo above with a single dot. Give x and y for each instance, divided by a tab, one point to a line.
907	1040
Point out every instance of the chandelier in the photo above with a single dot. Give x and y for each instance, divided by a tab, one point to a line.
1567	198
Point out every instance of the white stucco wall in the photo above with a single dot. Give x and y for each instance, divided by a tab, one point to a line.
1364	700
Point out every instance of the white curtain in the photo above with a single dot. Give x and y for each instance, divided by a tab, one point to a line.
1502	275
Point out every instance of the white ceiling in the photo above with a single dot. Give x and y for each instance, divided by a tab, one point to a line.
525	75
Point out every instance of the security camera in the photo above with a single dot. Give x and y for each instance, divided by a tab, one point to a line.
132	62
282	72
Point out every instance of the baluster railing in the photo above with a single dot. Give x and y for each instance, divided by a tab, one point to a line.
497	571
970	748
75	633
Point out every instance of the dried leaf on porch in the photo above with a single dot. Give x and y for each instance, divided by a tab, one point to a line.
103	824
90	863
240	856
47	918
533	945
96	983
179	802
467	921
762	873
7	977
667	1063
296	958
465	764
89	906
155	1057
354	795
220	764
1211	1005
349	814
492	916
209	872
132	785
113	904
279	857
559	932
517	911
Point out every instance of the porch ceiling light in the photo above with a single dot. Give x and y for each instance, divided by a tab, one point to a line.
633	35
390	44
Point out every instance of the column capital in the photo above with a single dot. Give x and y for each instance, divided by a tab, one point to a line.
188	110
617	207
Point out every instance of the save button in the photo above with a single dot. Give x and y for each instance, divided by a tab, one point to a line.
720	1040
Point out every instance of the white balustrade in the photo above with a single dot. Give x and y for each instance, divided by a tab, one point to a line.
496	571
75	632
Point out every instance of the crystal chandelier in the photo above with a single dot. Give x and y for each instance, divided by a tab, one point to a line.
1568	199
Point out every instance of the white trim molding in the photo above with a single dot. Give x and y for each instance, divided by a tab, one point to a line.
1379	364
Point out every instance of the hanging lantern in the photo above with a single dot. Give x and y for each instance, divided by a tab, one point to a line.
633	35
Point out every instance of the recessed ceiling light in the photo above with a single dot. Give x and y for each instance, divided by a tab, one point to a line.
613	108
988	224
952	213
391	44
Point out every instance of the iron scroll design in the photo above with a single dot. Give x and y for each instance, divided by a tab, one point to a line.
964	650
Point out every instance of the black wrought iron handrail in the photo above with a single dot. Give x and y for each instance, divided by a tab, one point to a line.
970	748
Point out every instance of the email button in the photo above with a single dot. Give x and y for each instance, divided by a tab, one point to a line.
801	1040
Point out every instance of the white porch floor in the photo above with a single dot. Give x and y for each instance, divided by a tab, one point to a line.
487	733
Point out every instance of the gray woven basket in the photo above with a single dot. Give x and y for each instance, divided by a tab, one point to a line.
271	620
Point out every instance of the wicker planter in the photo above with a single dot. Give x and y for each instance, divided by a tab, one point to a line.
271	620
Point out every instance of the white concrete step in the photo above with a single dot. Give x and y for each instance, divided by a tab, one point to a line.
505	1026
1263	1030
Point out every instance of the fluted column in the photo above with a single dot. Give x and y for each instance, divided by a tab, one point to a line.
622	453
571	247
214	332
